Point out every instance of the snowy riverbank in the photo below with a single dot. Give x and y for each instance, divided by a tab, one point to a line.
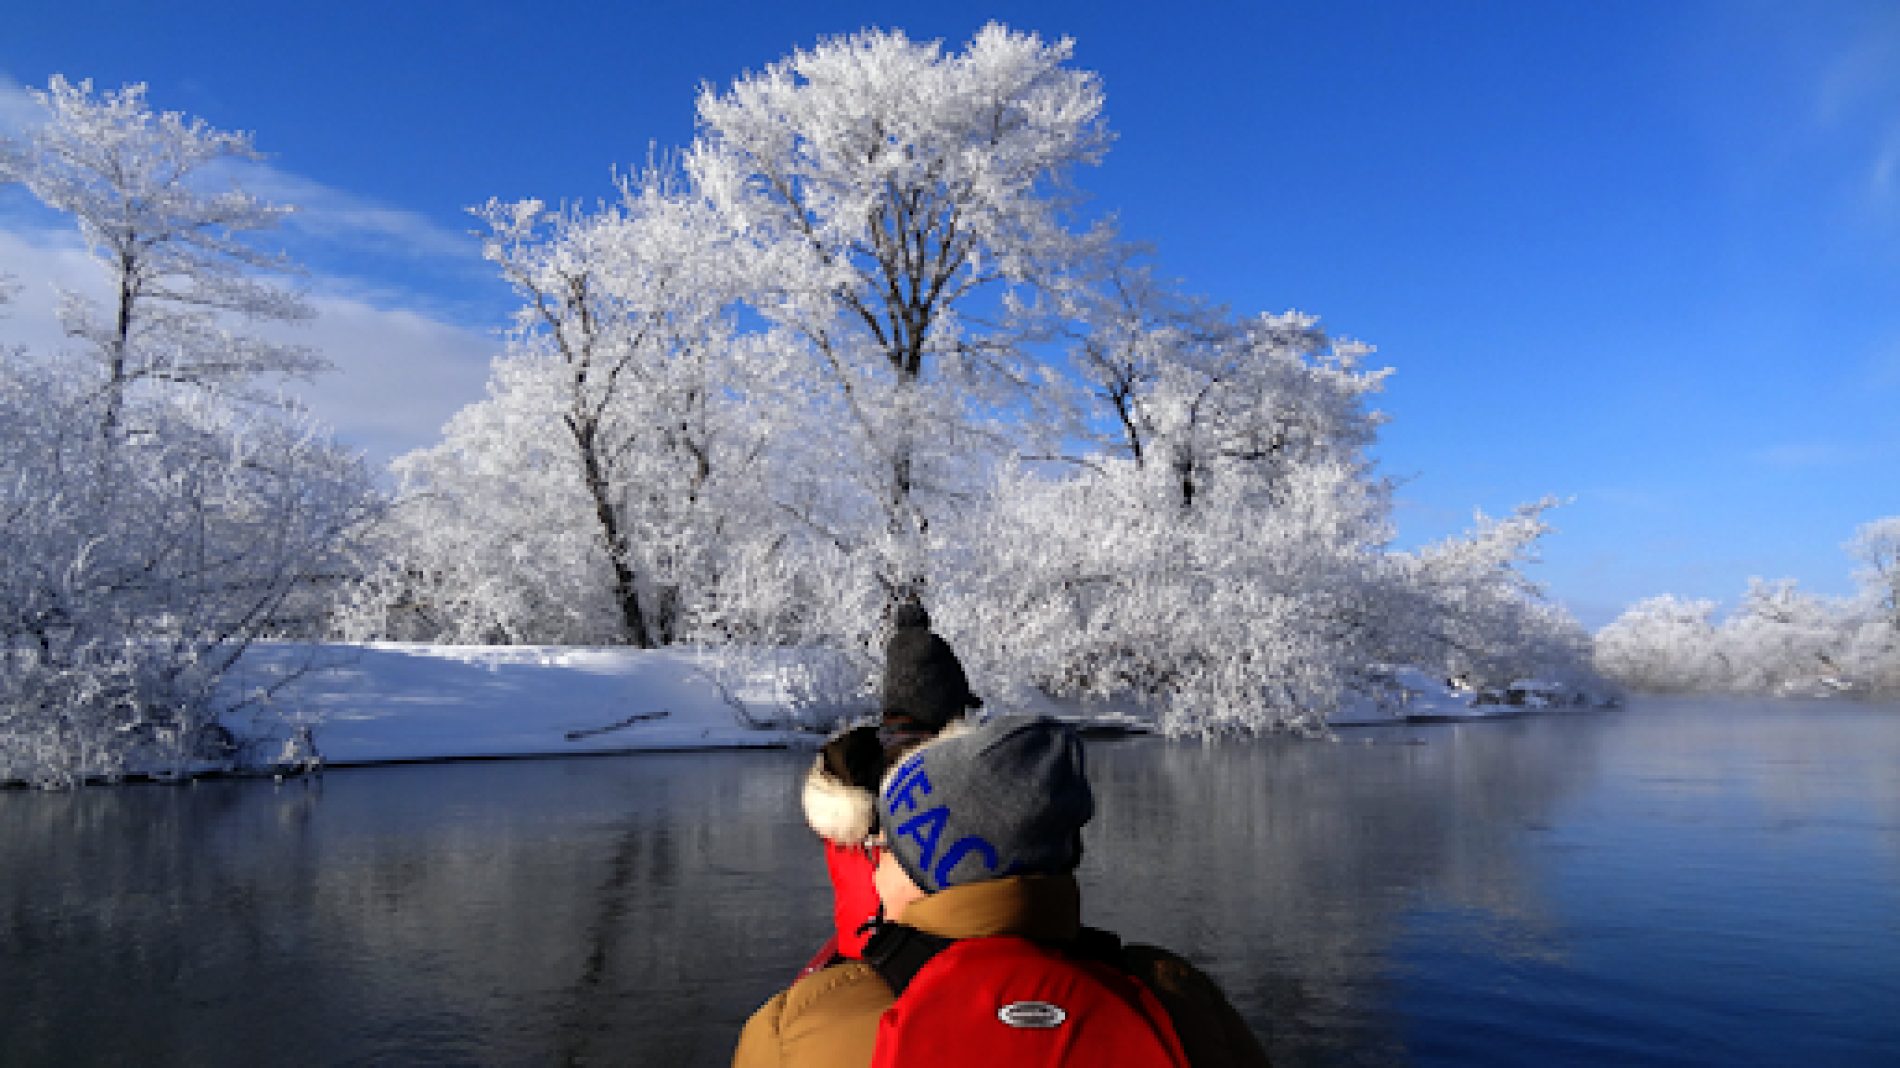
387	702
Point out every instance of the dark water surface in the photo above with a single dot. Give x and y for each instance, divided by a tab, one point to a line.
1679	883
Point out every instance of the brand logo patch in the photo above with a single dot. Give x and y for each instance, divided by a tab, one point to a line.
1033	1014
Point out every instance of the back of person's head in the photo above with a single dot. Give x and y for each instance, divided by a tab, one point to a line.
910	614
1007	797
924	685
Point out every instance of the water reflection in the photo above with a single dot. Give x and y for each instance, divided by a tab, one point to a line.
1676	884
1289	868
571	912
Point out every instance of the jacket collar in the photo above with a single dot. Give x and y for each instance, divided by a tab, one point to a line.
1043	906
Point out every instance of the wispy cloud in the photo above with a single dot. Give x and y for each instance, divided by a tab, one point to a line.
1791	456
324	213
1858	96
332	215
41	264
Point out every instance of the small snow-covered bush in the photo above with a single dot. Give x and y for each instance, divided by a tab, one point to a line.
136	575
105	710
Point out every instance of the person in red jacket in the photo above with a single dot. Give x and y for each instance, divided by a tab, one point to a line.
981	957
925	689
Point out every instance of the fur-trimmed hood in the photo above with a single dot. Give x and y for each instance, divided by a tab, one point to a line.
840	792
837	810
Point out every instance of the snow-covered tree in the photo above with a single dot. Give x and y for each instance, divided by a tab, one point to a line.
1877	546
592	497
120	611
1779	637
1661	644
1465	608
1872	654
157	519
152	197
1186	387
911	206
1184	508
1231	615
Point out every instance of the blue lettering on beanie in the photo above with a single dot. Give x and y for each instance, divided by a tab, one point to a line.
908	779
924	828
955	854
1006	798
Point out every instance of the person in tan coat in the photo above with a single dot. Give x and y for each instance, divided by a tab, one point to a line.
981	835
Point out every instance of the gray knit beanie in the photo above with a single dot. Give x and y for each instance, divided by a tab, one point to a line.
1005	798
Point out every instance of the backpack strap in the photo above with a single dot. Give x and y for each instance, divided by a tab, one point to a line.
1103	947
898	952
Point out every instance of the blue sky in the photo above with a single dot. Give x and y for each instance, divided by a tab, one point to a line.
1644	256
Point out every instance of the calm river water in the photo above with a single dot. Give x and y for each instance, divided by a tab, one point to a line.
1678	883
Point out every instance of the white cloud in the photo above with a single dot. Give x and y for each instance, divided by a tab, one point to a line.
41	264
399	374
1857	90
1803	455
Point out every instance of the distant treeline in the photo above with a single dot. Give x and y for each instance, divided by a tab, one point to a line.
1781	640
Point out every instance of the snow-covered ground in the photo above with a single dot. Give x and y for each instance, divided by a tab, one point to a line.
374	703
387	702
1412	695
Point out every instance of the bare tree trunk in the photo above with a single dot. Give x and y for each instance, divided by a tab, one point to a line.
626	589
121	344
669	614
